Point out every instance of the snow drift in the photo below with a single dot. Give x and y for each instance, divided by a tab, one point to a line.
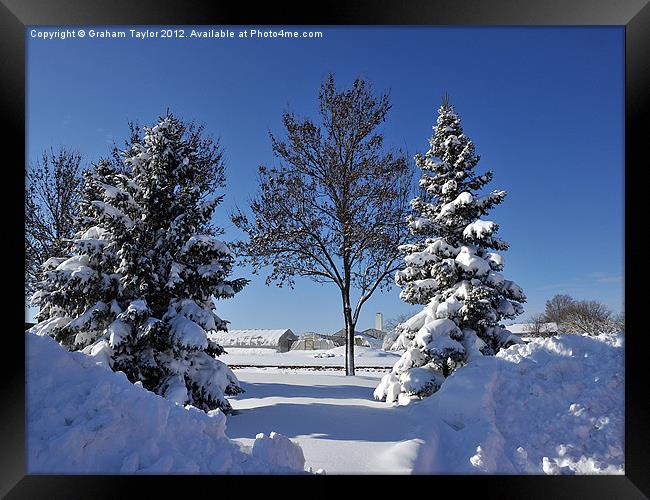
83	418
553	406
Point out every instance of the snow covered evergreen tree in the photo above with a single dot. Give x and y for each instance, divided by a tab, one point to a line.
137	288
454	269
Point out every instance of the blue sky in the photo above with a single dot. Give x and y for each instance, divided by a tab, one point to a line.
544	107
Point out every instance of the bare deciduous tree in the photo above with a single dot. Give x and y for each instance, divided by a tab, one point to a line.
581	316
589	317
557	307
334	209
51	196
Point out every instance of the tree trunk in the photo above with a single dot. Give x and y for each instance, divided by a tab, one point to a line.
349	341
345	316
349	322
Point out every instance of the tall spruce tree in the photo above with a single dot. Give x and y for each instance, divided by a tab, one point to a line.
453	270
138	285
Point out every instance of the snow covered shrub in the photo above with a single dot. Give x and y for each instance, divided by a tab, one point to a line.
453	270
139	282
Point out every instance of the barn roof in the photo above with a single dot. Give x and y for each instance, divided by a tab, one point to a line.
341	333
366	335
314	335
253	337
373	332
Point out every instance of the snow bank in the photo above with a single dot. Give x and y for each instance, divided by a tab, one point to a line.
277	448
85	419
551	406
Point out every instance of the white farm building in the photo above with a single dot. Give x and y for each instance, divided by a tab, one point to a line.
279	340
312	341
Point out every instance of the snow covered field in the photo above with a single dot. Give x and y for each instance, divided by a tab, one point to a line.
552	406
364	356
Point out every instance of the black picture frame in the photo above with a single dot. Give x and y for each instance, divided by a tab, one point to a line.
16	15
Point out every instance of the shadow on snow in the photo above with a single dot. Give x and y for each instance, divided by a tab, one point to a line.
318	420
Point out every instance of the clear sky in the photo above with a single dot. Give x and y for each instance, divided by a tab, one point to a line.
544	107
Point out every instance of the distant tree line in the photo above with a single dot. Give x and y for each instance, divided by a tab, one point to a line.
589	317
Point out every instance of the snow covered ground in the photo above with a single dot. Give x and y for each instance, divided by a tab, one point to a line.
334	418
364	356
551	406
83	418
